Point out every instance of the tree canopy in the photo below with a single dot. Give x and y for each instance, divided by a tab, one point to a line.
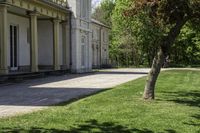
168	17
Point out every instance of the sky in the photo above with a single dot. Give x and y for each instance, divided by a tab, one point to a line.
95	2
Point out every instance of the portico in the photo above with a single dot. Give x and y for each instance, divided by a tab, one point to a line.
50	35
34	36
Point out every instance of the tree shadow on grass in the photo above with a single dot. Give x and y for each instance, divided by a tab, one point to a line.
192	123
189	98
196	116
170	131
92	126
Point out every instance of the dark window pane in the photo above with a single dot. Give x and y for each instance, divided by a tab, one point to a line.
15	46
11	46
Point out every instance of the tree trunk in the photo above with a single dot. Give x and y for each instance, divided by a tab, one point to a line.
159	59
153	75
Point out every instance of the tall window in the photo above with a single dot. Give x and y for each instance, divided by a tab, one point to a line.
92	34
97	34
83	41
28	36
104	36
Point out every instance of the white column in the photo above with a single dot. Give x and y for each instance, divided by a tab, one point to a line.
66	45
56	27
34	43
3	40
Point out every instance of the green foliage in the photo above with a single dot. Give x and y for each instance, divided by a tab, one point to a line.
186	50
104	11
121	110
143	25
138	31
138	27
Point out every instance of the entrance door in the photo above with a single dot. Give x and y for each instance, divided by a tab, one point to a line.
13	47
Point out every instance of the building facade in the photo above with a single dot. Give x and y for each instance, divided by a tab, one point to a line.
41	35
100	44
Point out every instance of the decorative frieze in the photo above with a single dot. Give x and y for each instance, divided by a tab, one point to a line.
62	3
40	7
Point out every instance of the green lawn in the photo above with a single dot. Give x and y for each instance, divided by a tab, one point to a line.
121	110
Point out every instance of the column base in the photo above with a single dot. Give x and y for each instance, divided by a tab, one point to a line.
34	69
56	68
3	71
81	70
65	67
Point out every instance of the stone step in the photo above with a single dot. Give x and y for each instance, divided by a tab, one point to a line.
19	77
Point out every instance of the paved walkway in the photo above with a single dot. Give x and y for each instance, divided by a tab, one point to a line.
38	94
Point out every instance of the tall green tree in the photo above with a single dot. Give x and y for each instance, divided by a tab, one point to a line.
104	11
139	31
169	16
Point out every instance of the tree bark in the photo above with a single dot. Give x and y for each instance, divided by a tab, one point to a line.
153	75
166	43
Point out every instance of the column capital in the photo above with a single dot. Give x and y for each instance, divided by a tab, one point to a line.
56	20
5	4
65	22
3	7
33	13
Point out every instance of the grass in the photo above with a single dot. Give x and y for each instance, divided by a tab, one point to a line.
121	110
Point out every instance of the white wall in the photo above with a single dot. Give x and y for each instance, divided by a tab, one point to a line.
23	46
45	42
80	27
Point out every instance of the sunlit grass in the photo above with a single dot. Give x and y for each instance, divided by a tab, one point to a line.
122	110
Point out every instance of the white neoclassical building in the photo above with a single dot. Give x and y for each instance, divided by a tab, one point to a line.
42	35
